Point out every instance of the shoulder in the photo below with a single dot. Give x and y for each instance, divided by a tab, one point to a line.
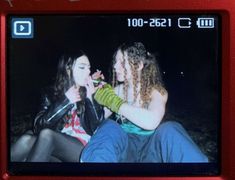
119	89
158	100
162	96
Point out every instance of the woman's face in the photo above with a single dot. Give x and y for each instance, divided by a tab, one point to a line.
119	69
81	71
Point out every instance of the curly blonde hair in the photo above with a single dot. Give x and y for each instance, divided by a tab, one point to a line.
150	77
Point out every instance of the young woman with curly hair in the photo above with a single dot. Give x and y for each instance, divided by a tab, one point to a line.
138	100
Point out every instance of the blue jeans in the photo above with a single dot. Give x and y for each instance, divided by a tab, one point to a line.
169	143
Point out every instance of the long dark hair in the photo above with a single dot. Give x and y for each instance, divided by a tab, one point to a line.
64	77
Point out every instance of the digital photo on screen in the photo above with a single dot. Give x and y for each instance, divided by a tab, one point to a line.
124	94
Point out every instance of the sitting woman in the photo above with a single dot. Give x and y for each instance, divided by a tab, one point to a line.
138	100
68	116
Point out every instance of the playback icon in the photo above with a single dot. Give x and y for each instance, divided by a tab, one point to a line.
22	27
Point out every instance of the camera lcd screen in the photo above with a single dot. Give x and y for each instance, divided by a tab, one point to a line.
186	47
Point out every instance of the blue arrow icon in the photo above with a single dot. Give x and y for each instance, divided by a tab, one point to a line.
22	28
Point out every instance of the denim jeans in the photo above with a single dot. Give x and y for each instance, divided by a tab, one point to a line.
169	143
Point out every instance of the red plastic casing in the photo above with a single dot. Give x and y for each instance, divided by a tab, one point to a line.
225	8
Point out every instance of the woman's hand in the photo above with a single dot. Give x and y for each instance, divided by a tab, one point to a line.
73	94
90	88
97	75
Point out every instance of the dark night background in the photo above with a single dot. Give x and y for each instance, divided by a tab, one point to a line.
194	98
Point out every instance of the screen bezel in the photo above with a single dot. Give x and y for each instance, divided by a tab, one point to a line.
224	9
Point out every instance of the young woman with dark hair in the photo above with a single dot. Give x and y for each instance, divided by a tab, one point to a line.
67	118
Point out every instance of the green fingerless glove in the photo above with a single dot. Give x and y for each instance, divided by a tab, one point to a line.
107	97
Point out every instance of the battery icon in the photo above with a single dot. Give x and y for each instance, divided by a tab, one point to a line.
205	23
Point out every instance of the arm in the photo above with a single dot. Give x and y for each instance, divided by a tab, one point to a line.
149	118
94	115
108	112
50	113
91	90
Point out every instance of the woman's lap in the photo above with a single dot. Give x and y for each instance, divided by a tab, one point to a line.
169	143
